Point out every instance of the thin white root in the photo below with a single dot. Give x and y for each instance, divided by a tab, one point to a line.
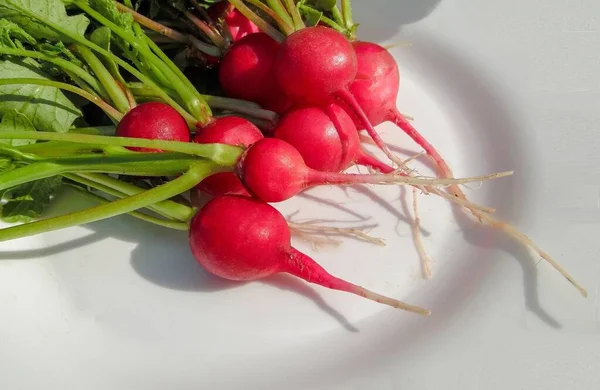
358	233
316	241
397	44
526	241
397	179
416	226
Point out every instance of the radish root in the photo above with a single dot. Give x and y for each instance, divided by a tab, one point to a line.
416	227
358	232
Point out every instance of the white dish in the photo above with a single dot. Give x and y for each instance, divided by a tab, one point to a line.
495	86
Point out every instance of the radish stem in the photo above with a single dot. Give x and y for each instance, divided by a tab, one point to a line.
107	108
182	226
257	20
188	180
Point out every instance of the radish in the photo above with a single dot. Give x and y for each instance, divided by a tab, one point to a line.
237	24
153	120
246	72
242	239
230	130
273	171
326	138
317	64
376	90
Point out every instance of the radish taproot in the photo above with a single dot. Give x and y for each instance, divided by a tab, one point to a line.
243	239
274	171
246	72
376	90
229	130
153	120
326	137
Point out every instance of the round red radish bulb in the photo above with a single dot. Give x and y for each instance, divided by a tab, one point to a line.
326	138
315	65
376	91
153	120
246	72
229	130
243	239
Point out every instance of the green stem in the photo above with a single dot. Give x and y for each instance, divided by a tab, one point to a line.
136	214
260	22
113	89
277	11
347	14
107	108
188	180
44	169
134	72
119	188
61	63
298	23
329	22
337	15
215	38
188	97
221	154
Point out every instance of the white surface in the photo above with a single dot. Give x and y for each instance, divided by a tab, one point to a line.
495	85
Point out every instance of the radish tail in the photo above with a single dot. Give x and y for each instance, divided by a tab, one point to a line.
350	101
307	269
369	161
443	167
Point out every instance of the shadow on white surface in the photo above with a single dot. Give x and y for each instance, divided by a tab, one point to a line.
384	25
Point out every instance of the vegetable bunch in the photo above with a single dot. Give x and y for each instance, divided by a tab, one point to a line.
104	97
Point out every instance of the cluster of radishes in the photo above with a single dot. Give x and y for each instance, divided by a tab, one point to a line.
325	89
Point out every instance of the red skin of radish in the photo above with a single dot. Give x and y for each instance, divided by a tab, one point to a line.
326	137
242	239
376	91
272	170
229	130
153	120
239	26
316	65
246	72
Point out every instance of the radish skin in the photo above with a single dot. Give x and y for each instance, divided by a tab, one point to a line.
242	239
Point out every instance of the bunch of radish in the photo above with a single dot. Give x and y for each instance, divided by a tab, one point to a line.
297	98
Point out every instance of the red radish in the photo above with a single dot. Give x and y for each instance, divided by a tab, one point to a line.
238	25
153	120
273	171
230	130
376	90
317	64
246	72
326	138
243	239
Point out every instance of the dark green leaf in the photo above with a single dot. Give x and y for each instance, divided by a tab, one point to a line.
311	16
29	14
323	5
46	107
28	201
15	121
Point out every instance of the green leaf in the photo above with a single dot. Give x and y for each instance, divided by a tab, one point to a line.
15	121
28	13
101	37
11	35
47	108
108	9
311	16
323	5
28	201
